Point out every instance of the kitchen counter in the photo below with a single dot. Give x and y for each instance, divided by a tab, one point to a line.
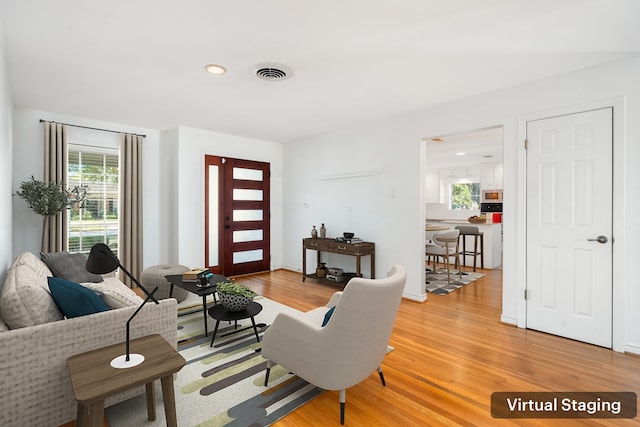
492	239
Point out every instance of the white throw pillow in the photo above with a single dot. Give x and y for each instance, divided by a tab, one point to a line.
114	293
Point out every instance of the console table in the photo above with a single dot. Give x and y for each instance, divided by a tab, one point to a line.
357	250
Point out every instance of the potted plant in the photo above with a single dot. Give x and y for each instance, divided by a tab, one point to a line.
50	198
234	296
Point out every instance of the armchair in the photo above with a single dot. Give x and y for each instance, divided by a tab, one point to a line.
350	346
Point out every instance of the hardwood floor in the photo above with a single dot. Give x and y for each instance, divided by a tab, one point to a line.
451	353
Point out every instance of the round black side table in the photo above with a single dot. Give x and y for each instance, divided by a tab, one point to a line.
221	313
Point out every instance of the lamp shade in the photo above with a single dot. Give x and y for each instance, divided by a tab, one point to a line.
101	260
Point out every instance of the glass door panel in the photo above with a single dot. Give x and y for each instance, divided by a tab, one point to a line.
241	194
247	236
247	174
213	235
247	256
247	215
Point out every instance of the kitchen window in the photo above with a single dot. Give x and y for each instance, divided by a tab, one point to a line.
464	195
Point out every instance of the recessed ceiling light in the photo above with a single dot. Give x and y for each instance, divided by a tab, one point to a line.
218	70
461	153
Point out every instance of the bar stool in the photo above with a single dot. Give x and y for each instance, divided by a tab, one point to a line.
446	245
468	230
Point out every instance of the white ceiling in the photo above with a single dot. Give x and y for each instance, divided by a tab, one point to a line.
478	146
140	62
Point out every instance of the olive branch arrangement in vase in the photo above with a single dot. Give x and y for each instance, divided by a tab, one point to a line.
50	198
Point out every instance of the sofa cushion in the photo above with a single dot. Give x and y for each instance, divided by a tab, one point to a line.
69	266
114	293
74	300
25	299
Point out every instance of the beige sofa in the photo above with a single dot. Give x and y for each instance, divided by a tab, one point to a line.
36	340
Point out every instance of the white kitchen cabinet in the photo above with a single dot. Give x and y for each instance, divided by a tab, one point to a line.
499	175
432	187
491	176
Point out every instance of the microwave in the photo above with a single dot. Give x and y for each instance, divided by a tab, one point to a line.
491	196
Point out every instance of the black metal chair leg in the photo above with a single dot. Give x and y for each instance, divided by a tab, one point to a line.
343	400
384	384
266	376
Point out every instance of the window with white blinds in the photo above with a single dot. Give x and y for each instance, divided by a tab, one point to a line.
97	221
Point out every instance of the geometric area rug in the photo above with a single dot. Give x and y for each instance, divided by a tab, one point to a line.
222	385
437	282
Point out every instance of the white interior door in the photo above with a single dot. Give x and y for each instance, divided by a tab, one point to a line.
569	226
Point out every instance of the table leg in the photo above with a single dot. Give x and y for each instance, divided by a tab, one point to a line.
255	329
304	263
358	272
82	417
171	290
204	313
169	399
90	415
215	331
373	265
151	401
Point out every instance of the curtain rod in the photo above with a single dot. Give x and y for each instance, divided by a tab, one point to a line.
88	127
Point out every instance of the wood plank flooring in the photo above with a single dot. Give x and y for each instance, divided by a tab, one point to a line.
451	353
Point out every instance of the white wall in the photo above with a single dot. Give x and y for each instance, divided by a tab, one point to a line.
6	153
383	209
393	146
28	159
192	145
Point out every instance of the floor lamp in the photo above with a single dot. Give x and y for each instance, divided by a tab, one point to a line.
102	260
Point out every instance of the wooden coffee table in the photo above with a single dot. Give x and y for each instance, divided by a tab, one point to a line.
93	379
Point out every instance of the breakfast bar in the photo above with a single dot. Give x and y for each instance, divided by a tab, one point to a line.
492	239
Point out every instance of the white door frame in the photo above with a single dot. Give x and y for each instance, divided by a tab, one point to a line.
620	277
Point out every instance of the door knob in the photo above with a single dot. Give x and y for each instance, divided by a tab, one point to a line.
599	239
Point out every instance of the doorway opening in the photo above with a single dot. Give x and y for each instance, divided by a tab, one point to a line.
458	169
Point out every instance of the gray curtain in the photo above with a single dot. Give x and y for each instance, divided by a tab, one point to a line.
130	242
54	233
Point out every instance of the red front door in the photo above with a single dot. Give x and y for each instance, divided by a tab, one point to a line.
237	215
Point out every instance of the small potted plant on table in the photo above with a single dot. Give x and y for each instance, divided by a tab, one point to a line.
234	296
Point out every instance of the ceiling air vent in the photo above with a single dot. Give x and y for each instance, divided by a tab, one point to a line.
272	72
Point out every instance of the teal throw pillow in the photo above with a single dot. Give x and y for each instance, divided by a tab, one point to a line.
327	316
73	299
